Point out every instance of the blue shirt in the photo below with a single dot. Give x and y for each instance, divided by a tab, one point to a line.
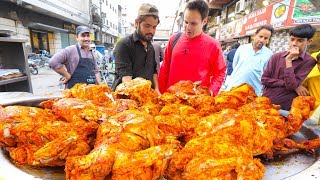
230	57
248	67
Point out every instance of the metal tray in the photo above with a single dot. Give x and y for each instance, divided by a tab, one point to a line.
293	166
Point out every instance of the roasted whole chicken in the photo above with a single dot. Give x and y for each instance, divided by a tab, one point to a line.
133	134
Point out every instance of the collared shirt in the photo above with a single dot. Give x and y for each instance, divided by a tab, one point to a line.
132	59
69	58
248	67
281	82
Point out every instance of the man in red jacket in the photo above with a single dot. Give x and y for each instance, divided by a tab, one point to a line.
196	56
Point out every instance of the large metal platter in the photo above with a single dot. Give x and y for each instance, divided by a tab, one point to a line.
293	166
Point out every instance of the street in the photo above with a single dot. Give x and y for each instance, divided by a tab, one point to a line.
46	83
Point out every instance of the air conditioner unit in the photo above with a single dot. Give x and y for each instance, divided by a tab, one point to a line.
217	20
240	6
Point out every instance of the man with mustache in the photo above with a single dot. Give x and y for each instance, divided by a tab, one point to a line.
76	63
195	56
285	72
251	59
134	54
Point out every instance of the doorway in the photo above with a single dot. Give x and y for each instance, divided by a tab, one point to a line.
39	41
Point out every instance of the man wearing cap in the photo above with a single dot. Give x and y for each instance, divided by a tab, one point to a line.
134	54
76	63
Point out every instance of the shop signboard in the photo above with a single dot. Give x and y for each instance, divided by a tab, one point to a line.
303	13
282	14
255	19
279	14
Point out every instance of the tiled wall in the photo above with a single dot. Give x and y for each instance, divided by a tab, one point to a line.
279	41
244	40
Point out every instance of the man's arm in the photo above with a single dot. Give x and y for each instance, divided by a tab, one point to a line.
63	72
267	76
165	67
156	83
57	62
218	69
293	79
236	58
98	78
123	63
126	78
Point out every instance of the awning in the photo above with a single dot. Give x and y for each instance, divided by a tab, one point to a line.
45	27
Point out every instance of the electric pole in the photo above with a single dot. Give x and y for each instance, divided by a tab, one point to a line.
101	23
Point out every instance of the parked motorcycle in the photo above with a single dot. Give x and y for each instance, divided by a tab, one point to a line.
33	67
41	59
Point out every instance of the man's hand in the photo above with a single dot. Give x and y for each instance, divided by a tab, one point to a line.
293	53
66	78
158	91
302	91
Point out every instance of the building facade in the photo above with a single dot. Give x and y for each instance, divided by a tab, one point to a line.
238	20
232	21
110	25
48	25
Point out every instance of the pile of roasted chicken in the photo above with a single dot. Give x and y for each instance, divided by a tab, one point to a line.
134	134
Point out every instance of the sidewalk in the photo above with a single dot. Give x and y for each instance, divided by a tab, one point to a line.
46	83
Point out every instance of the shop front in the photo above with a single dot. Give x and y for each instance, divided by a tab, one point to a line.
282	15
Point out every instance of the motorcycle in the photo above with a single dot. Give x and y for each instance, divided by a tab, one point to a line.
41	59
33	67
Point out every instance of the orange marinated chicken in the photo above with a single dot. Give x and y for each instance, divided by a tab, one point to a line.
191	94
128	134
150	163
72	109
234	98
36	137
137	89
98	94
183	134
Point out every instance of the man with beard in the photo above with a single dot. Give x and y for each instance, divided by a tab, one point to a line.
76	63
251	59
286	70
134	54
195	56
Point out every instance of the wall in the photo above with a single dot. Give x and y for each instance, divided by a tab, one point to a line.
56	39
279	41
75	11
